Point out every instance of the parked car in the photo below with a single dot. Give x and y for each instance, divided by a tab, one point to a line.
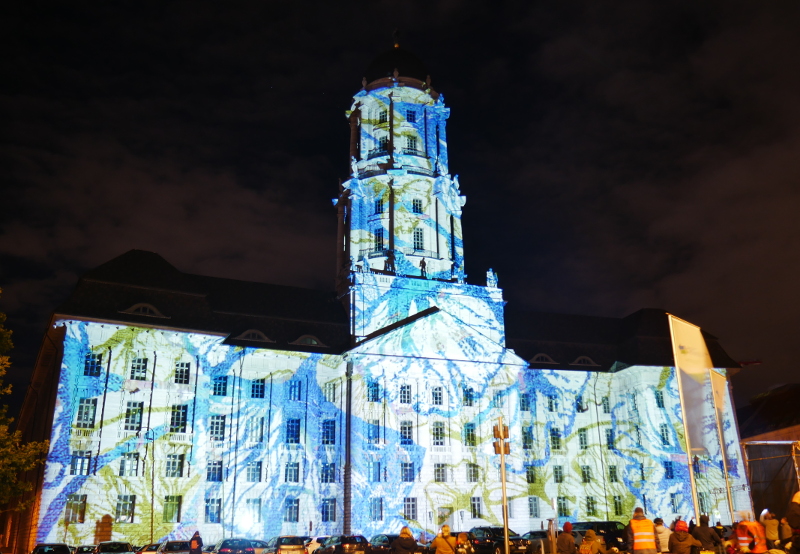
233	546
175	547
315	543
259	546
51	548
114	547
85	549
289	544
489	540
610	533
152	547
344	544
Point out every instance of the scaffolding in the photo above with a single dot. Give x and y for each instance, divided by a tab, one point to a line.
773	469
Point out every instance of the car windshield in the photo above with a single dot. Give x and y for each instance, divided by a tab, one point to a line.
177	545
114	547
235	544
582	526
51	549
85	549
297	541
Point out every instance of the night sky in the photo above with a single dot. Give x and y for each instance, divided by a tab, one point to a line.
614	155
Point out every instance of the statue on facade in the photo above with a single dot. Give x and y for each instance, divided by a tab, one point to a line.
491	278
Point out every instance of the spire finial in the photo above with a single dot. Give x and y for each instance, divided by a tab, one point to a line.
396	38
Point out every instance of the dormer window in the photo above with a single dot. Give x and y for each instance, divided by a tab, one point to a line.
254	335
543	359
309	340
583	360
144	309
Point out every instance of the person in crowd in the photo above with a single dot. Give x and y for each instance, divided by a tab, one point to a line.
771	524
565	543
641	534
663	533
463	546
720	530
591	544
793	519
785	533
196	543
706	535
405	543
681	542
444	543
750	535
692	525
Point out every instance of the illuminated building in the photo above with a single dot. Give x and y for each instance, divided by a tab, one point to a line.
177	402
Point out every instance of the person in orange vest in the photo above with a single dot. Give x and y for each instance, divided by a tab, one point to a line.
751	535
641	534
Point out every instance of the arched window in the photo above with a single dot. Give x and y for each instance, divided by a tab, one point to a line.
143	309
583	360
254	335
543	359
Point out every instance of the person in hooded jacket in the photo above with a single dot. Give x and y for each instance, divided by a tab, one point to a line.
662	532
565	543
793	519
681	542
404	544
196	543
706	535
591	544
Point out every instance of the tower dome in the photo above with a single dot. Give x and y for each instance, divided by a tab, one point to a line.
406	63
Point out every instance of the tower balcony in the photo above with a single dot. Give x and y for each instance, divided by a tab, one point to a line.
414	152
377	152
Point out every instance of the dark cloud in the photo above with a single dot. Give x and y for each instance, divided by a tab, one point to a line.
614	156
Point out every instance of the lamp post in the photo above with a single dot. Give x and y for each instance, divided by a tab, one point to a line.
502	447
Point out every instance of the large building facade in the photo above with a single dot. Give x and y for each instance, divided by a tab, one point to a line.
178	402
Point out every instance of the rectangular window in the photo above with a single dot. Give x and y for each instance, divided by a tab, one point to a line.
86	410
329	390
524	402
139	369
376	509
328	510
634	403
411	146
563	506
419	239
258	388
533	507
374	431
586	474
437	396
255	428
213	510
641	470
416	205
129	464
374	472
253	506
133	416
610	439
219	386
555	438
93	365
410	508
618	506
254	472
673	502
411	115
329	431
638	432
558	474
659	398
406	432
174	465
407	471
498	399
182	372
612	474
437	433
178	418
583	438
469	397
530	474
216	428
664	434
475	507
473	473
580	405
126	504
214	470
76	508
591	506
527	437
383	116
606	405
377	236
328	473
296	390
172	509
405	394
552	403
291	510
293	431
292	472
469	435
80	462
378	206
669	471
440	473
373	392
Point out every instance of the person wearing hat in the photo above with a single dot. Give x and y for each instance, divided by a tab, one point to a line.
663	533
565	543
681	542
591	544
641	534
